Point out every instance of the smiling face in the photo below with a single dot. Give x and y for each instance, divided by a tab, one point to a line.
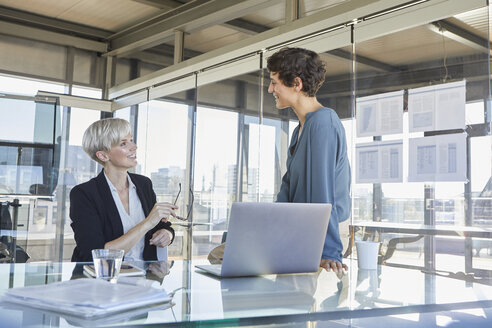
121	156
284	95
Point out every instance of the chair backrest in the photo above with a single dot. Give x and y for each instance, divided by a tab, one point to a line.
5	218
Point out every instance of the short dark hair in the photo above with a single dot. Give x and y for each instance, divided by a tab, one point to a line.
290	63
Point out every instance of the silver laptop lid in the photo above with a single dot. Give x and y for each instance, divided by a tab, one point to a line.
266	238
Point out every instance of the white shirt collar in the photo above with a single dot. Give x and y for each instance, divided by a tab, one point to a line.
113	188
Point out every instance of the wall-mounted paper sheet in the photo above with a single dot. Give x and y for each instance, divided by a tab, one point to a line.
437	107
379	162
380	114
437	158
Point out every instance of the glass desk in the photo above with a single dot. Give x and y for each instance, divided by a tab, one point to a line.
298	299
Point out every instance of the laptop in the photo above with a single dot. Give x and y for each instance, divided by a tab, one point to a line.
273	238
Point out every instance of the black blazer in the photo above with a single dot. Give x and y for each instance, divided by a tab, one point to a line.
95	217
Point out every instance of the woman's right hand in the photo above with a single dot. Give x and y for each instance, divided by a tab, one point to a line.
161	212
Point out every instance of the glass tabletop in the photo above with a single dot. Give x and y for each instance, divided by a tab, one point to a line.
201	299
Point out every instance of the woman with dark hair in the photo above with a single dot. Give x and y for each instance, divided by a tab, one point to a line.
318	169
117	209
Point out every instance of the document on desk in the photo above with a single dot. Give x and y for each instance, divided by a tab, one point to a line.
86	298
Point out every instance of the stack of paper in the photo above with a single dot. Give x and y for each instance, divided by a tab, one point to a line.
86	297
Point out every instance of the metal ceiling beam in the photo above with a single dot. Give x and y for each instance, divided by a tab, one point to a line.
61	26
55	25
77	101
292	10
252	28
324	20
207	13
473	68
152	58
161	4
307	25
32	33
245	26
178	47
339	53
163	15
460	35
168	50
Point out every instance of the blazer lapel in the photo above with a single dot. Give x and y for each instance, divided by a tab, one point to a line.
111	210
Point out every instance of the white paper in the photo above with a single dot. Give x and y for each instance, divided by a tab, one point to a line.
437	158
379	162
437	107
380	114
86	297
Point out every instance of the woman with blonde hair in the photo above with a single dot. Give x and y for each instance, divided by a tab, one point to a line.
117	209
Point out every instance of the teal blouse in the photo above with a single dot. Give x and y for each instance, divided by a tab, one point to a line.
318	171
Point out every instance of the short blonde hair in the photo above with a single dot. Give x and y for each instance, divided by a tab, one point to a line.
103	135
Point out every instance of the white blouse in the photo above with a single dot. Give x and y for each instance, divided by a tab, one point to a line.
129	221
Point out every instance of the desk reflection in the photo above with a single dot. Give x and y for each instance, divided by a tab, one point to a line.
284	299
367	291
32	317
282	293
364	295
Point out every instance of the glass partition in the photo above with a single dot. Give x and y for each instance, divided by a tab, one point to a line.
30	147
226	162
422	140
29	156
225	141
164	139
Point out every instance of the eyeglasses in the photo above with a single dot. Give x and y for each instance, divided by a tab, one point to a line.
191	206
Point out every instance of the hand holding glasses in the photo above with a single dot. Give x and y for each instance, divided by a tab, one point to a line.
191	206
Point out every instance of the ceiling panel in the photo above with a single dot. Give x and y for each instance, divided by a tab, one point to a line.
212	38
407	47
336	66
271	17
51	8
397	49
111	15
309	7
477	19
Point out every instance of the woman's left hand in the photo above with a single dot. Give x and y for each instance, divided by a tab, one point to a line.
336	266
161	238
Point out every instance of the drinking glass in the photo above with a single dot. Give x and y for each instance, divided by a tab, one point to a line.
107	263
